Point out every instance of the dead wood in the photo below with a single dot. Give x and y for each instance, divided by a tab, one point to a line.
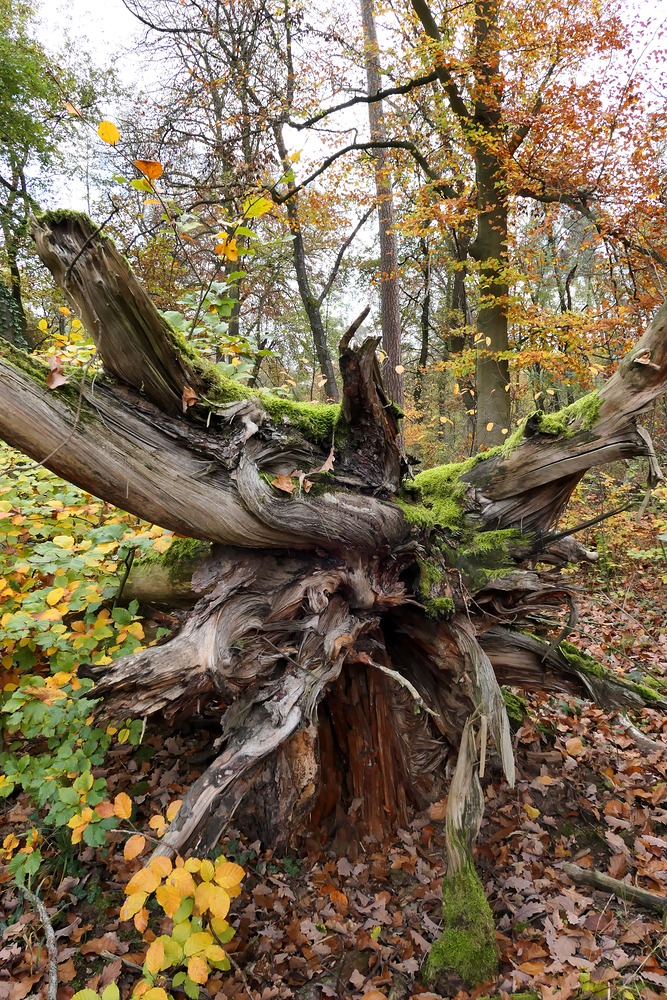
623	890
348	647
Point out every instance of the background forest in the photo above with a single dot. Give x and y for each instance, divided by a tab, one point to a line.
491	180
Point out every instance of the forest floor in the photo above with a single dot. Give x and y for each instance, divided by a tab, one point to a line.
321	924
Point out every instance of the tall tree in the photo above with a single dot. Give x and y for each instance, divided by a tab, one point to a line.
390	308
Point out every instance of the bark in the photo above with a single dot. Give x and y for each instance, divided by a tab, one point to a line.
353	638
389	287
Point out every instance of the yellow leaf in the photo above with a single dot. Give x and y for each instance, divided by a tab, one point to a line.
108	132
228	874
197	943
206	870
254	207
64	541
172	809
182	881
155	956
456	389
295	157
198	970
43	325
149	168
64	310
490	425
204	894
54	596
531	811
161	865
132	905
158	823
122	806
76	324
134	847
215	953
162	544
192	865
156	993
169	898
145	880
219	903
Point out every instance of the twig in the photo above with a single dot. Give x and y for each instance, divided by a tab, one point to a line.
625	891
404	682
51	945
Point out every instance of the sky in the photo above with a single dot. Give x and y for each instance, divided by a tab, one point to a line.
103	27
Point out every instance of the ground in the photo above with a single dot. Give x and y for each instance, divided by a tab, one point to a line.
354	922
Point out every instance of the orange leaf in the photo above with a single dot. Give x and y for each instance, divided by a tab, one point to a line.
228	874
149	168
155	956
134	846
161	865
145	880
169	898
172	809
198	970
122	806
141	920
132	905
104	809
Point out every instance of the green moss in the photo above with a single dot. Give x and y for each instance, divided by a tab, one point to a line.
579	416
180	558
585	664
55	216
517	708
318	422
439	607
35	369
434	498
467	945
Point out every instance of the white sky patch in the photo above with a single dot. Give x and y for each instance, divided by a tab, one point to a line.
104	28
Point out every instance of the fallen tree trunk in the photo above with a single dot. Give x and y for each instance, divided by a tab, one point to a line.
354	630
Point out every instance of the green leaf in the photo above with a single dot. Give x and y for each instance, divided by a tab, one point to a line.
111	992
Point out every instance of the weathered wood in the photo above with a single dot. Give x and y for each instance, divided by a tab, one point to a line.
623	890
327	620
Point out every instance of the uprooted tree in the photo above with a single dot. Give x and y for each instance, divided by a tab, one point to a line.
351	623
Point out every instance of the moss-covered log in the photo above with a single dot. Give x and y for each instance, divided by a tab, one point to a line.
353	637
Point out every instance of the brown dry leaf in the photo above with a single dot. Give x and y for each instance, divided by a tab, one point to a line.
374	995
55	377
438	810
188	399
574	746
329	463
67	971
340	902
284	483
71	109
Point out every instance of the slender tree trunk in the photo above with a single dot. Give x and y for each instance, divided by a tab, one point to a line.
389	284
424	325
490	245
308	297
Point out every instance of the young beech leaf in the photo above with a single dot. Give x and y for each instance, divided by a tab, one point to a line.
198	970
134	846
145	880
155	956
122	806
228	874
108	133
132	905
161	865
